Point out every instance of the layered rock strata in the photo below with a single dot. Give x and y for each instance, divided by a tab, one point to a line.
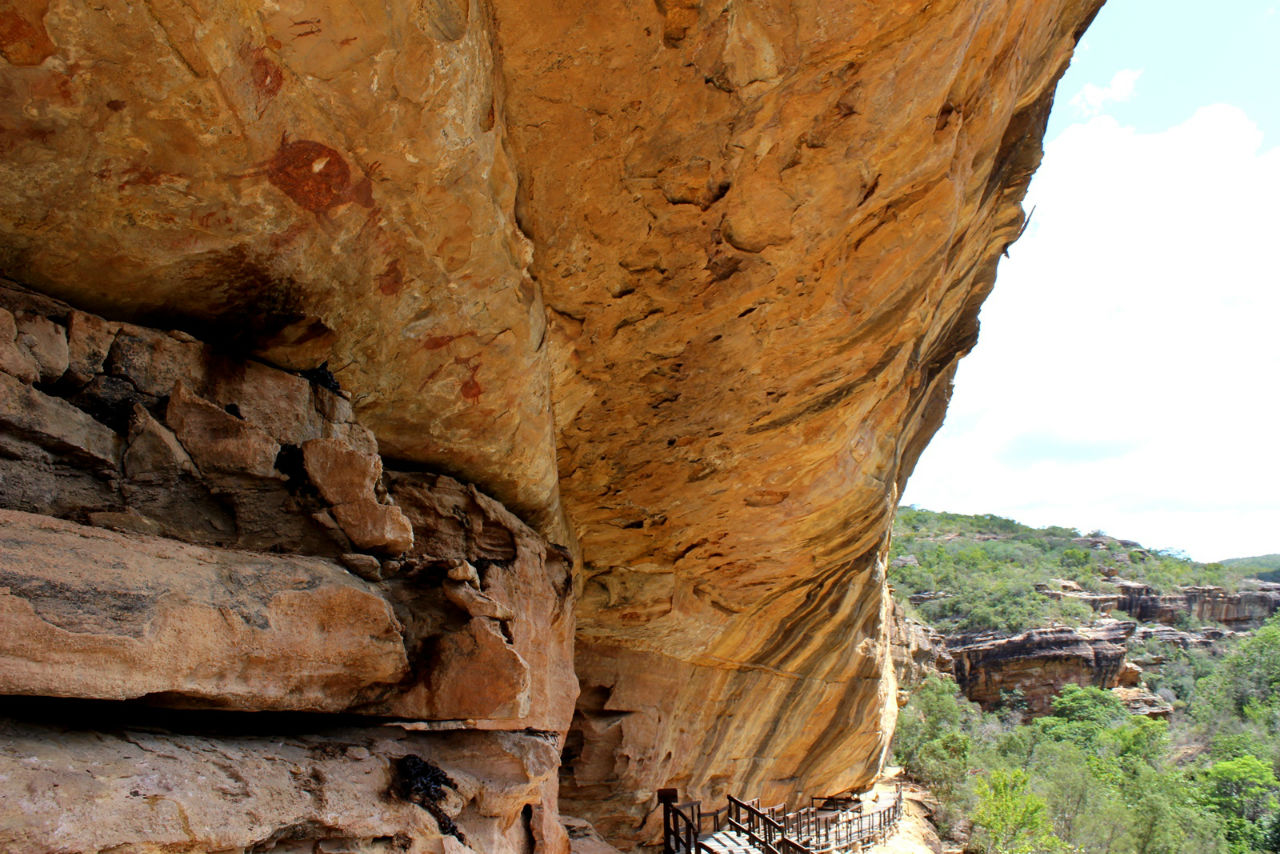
1243	609
68	788
1198	639
1139	701
990	667
1061	588
695	276
919	650
221	534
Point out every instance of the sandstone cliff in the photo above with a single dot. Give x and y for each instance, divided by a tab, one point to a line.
682	285
1037	663
184	530
918	649
1240	610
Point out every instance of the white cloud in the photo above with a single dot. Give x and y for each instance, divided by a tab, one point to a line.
1126	374
1091	99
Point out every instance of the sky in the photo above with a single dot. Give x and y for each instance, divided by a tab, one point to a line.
1126	375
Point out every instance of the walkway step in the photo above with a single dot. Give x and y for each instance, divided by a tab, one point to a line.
728	842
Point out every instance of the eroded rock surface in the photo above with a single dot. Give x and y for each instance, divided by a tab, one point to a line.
194	551
1139	701
919	650
762	233
72	789
693	276
90	613
989	667
1243	609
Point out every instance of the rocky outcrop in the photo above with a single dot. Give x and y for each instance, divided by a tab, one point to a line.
1243	609
220	534
918	649
1197	639
89	613
683	285
1139	701
1061	588
342	790
990	666
762	236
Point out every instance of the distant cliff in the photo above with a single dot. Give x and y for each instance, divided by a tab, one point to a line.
1242	609
990	667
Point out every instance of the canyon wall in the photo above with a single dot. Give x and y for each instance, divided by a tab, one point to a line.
918	650
188	537
1243	609
682	286
991	667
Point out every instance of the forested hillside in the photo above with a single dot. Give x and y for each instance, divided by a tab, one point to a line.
966	573
1264	566
1090	777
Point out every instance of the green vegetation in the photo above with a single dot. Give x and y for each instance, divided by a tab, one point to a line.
1089	777
986	569
1266	567
1092	778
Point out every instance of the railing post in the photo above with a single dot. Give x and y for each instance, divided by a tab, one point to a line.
667	797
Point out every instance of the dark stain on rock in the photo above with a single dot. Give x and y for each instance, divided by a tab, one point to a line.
240	304
445	20
72	608
23	38
115	105
417	781
267	77
111	400
827	400
322	377
391	280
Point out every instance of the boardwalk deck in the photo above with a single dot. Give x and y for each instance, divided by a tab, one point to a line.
827	826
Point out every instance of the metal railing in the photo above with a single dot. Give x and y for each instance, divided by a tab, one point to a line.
827	826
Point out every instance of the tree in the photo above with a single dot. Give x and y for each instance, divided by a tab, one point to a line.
1087	812
932	741
1167	819
1074	557
1081	715
1243	791
1010	819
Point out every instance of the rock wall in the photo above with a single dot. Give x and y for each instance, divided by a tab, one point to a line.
184	530
683	285
918	649
988	666
1243	609
762	233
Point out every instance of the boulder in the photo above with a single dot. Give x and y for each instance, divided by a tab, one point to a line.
197	788
94	614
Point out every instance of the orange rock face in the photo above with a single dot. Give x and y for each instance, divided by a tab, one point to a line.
1037	663
762	233
216	589
683	284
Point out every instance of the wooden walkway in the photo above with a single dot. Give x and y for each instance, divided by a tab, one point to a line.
826	826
